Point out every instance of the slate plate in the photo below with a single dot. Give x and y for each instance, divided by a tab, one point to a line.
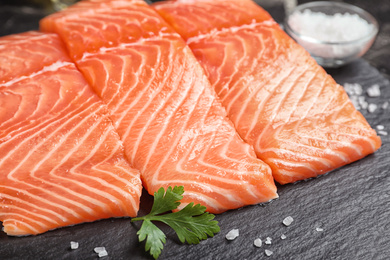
351	205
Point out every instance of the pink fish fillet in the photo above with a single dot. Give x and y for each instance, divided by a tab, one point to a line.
174	129
298	119
61	160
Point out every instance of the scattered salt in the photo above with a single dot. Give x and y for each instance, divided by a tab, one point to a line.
372	107
232	234
268	241
353	89
362	102
355	93
258	242
364	105
380	127
283	236
374	91
382	132
355	102
101	251
287	221
318	229
268	252
74	245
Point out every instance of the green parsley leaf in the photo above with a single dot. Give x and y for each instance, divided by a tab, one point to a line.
191	224
155	238
170	201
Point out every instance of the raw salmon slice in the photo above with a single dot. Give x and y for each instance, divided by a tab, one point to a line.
174	128
298	119
61	160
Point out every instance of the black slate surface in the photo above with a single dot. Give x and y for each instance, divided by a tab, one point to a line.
351	204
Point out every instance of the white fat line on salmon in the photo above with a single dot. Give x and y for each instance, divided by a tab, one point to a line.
22	207
263	103
53	121
208	188
102	181
16	39
202	199
324	161
332	100
53	67
182	132
357	148
249	151
66	209
130	90
36	130
316	97
42	208
12	218
290	164
92	152
294	175
233	29
14	227
103	50
287	87
255	86
309	79
184	96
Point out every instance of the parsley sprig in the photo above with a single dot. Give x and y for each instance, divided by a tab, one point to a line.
191	223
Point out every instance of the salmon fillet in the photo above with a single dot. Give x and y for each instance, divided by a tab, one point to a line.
174	129
61	161
299	120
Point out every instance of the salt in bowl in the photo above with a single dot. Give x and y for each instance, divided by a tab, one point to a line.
333	33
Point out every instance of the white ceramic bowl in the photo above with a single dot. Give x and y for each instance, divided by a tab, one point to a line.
327	51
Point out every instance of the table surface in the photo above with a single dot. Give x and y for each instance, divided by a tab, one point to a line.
351	204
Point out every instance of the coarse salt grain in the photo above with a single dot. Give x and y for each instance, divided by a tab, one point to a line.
268	252
374	91
258	242
382	132
353	89
101	251
74	245
268	241
380	127
287	221
283	236
318	229
232	234
372	107
385	105
355	102
362	102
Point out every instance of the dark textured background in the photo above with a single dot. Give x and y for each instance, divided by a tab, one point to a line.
351	204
